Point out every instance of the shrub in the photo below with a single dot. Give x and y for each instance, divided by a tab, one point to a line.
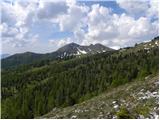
123	113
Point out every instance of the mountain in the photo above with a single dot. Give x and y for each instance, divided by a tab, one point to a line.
34	90
69	50
4	56
74	49
20	59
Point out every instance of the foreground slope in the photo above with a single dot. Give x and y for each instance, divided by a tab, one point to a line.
138	99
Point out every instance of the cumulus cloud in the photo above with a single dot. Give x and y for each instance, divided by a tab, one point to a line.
152	12
100	25
121	30
13	27
23	23
50	10
11	14
139	8
134	7
61	42
74	17
18	39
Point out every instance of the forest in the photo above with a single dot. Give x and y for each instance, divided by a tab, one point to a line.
32	90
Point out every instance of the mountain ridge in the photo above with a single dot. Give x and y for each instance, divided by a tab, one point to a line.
76	49
69	50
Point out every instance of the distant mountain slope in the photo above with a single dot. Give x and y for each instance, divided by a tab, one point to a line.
68	50
4	56
138	100
20	59
75	49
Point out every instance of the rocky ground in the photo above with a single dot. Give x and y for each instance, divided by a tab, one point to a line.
138	99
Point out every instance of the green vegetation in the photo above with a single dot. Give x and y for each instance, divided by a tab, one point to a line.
142	110
33	90
124	101
123	113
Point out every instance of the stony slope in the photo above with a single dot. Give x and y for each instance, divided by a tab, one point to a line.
137	99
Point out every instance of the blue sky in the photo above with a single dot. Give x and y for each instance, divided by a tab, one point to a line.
109	4
44	26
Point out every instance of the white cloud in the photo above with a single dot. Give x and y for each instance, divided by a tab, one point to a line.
100	25
14	13
50	10
115	47
3	28
74	17
139	8
14	32
60	43
79	35
117	30
152	12
19	40
21	23
142	27
134	7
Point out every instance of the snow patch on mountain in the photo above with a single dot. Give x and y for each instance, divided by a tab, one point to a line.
82	51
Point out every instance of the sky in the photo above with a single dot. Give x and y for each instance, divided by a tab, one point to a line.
43	26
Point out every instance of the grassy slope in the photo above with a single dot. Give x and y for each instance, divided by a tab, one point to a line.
138	99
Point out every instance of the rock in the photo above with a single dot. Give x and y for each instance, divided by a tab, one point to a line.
141	117
114	102
73	117
116	106
77	111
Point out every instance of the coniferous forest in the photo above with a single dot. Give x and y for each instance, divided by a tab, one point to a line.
32	90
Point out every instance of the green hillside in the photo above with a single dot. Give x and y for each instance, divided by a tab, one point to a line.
33	90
